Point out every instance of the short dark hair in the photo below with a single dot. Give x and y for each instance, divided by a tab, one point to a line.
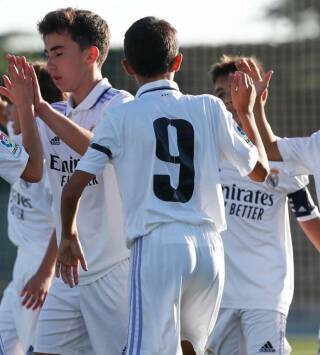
150	46
84	27
48	89
227	65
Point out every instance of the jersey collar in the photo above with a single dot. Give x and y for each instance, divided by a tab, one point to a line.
91	99
156	86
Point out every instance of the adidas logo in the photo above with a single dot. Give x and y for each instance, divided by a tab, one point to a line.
55	141
302	209
267	348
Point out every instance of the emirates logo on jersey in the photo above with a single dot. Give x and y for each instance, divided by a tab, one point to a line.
273	178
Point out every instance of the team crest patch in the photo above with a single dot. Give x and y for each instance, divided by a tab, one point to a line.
273	178
9	145
243	134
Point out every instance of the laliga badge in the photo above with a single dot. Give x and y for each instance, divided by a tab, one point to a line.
273	178
13	148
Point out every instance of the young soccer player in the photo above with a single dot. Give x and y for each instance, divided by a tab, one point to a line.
30	225
17	161
166	148
93	316
257	243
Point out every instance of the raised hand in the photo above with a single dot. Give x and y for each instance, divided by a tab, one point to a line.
261	82
69	255
243	92
18	86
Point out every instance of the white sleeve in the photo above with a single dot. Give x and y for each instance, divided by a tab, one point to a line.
13	159
300	154
234	143
105	146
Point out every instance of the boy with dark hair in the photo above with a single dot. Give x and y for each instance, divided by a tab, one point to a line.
257	243
165	148
76	44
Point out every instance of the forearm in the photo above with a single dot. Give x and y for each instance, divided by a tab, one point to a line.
73	135
31	142
249	126
268	138
69	205
311	229
47	265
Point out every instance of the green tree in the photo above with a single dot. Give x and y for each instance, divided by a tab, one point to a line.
297	11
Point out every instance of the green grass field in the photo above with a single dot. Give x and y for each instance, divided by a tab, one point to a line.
303	345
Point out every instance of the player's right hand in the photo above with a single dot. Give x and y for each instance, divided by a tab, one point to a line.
243	92
261	82
70	253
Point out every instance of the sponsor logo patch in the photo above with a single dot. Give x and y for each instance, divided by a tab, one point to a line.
267	348
9	145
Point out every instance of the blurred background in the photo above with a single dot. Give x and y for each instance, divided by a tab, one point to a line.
283	34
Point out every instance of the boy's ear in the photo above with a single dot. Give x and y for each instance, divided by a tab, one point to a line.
127	67
93	54
176	64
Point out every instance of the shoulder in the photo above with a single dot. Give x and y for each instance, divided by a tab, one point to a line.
60	106
117	97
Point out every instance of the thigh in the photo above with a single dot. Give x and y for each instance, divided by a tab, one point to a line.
264	331
61	328
8	330
158	263
225	338
201	300
104	305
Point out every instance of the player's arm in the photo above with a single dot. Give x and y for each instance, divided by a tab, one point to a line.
76	137
243	98
70	252
269	140
3	116
18	88
307	214
35	290
73	135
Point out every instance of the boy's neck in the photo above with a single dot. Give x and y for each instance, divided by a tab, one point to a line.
145	80
85	88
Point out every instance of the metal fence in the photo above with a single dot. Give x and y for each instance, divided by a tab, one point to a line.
293	109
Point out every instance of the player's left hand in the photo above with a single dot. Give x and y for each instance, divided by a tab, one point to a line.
35	291
261	82
70	253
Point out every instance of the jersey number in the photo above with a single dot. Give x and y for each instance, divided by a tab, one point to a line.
185	142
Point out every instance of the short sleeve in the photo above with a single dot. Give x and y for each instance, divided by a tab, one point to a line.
300	154
104	146
13	159
234	144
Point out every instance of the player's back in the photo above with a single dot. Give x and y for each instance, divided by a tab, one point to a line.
166	149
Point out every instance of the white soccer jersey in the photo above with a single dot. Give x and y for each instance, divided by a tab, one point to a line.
99	220
13	159
302	156
257	242
30	217
166	148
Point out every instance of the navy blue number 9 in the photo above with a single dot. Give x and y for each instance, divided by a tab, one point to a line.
185	142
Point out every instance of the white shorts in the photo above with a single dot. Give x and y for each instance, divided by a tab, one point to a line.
176	283
17	323
249	332
86	319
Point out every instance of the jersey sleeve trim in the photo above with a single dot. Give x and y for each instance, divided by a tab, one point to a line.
102	149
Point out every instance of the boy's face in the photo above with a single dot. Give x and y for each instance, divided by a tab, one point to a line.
66	62
222	89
